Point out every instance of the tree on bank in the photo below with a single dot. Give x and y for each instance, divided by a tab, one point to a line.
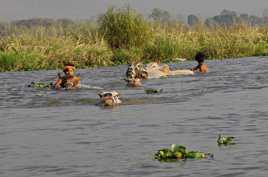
193	20
159	15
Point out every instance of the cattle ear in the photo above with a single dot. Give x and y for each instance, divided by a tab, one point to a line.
100	95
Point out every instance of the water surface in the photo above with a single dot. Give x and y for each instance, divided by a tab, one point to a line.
48	133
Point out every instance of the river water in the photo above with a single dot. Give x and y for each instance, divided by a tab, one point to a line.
49	133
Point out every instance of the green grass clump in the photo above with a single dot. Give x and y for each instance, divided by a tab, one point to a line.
126	56
13	61
50	48
124	28
162	48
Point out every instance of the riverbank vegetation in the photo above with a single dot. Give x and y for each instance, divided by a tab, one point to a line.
122	36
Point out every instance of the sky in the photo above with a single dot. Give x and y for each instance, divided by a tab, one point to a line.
85	9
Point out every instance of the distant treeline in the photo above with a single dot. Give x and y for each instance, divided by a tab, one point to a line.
121	36
225	18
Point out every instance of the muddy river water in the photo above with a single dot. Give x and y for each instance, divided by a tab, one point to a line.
48	133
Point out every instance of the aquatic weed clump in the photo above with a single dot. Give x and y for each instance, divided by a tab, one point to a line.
41	85
225	140
153	90
179	152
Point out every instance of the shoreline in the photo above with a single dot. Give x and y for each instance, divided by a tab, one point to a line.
120	65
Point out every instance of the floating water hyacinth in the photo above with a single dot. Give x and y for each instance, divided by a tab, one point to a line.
153	91
178	148
225	140
198	155
40	85
165	155
179	152
175	152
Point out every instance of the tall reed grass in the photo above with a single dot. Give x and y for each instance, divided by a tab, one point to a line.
51	47
122	36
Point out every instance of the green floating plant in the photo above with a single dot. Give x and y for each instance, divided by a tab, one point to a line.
225	140
40	85
179	152
153	91
196	155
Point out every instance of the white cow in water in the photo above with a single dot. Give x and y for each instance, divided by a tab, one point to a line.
109	98
136	72
154	70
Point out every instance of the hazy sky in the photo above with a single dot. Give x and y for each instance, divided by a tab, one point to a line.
81	9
